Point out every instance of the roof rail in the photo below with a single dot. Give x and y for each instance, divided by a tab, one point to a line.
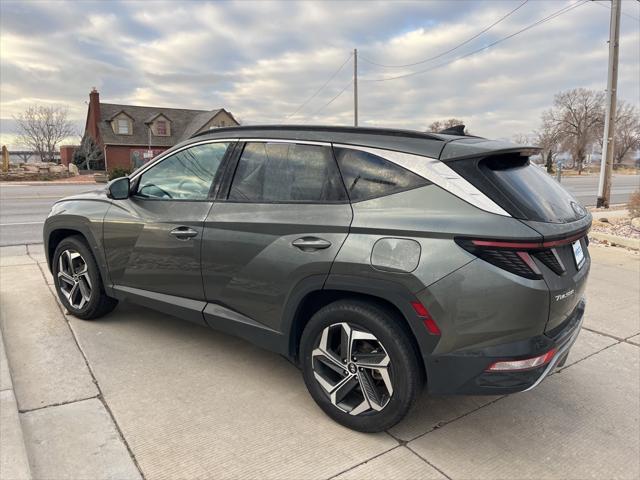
323	128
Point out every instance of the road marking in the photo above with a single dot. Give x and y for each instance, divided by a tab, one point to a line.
23	223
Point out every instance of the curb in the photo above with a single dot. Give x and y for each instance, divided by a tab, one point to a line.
632	243
14	463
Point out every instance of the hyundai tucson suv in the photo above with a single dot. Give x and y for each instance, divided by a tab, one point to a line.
379	261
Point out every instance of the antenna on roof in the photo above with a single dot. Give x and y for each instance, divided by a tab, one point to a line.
455	130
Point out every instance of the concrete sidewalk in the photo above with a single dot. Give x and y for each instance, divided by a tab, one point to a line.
13	454
141	394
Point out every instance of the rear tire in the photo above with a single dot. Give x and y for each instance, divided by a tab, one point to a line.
77	280
373	389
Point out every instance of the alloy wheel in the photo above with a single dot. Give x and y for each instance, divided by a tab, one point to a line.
353	368
73	278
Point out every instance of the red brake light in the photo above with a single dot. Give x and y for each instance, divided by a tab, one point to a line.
527	245
428	320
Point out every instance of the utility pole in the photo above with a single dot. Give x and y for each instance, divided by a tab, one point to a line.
355	87
606	166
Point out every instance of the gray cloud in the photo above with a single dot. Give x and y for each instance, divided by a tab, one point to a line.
261	60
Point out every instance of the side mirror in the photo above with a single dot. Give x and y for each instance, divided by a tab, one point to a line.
118	189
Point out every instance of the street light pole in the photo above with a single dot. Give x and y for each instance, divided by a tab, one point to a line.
355	87
606	163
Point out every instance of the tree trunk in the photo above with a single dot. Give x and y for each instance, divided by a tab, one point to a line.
549	162
580	160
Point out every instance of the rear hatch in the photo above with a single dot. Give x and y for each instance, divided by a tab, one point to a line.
527	192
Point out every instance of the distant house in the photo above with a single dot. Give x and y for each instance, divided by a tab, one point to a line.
131	135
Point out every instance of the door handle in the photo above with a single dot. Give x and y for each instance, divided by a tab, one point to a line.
308	244
183	233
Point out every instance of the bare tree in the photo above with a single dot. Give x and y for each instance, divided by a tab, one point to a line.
89	156
439	125
578	117
627	137
522	139
547	137
42	128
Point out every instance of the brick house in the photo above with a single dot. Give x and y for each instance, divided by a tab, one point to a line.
131	135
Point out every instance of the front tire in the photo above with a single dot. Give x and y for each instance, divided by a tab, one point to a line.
359	365
78	282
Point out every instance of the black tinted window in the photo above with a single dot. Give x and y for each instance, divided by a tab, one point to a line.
186	175
538	196
286	172
368	176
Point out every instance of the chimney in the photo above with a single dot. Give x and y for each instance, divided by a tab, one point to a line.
94	115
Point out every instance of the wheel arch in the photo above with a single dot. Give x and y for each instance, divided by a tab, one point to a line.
54	233
390	296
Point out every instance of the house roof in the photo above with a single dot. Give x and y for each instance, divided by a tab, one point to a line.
184	123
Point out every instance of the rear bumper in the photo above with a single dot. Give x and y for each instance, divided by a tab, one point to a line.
464	372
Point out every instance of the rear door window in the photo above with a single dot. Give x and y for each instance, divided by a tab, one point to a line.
286	173
369	176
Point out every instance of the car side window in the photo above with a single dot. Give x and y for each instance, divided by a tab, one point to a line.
369	176
287	173
185	175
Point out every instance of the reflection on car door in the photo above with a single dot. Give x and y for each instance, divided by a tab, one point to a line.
153	239
283	221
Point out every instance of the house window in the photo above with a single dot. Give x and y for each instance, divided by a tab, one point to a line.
222	123
161	128
123	126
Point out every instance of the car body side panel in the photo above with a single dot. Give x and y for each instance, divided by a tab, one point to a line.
249	264
433	226
480	305
83	213
141	252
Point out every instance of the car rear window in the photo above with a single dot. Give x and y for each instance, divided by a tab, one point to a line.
537	194
369	176
522	188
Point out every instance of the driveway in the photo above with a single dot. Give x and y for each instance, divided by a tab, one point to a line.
142	394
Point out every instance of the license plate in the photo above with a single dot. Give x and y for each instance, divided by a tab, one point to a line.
578	254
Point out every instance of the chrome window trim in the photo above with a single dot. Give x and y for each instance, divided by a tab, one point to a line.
436	172
168	153
163	155
286	140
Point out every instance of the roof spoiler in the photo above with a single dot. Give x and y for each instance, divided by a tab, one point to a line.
469	147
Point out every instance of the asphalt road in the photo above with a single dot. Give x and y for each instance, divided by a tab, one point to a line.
23	208
585	188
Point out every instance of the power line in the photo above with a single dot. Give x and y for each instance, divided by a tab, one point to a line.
321	88
606	5
504	17
344	89
539	22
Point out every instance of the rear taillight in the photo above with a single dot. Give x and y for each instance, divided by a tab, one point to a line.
510	256
517	257
526	364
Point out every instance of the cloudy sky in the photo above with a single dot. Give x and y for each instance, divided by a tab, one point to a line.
263	61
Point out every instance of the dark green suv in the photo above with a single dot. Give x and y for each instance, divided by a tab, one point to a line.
380	261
